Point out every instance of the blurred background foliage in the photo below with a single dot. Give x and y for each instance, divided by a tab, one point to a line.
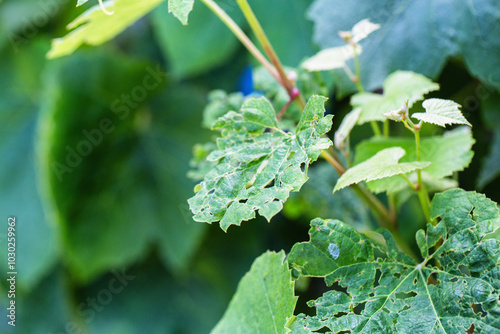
95	148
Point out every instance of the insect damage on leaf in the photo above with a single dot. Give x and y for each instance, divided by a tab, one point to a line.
456	286
257	165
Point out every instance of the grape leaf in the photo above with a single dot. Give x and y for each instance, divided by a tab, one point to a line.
441	112
264	299
382	165
258	164
95	27
418	36
399	87
388	292
37	249
107	162
181	9
448	154
363	29
331	58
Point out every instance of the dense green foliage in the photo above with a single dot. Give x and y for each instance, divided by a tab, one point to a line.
383	112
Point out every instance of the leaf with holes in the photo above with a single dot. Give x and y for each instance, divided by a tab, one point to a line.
441	112
382	165
399	87
257	164
264	299
379	289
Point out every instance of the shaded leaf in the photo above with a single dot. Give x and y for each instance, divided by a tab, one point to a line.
399	87
382	165
37	243
418	36
257	163
441	112
388	292
264	299
315	199
95	27
104	163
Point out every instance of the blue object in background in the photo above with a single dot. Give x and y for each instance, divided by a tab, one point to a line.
245	81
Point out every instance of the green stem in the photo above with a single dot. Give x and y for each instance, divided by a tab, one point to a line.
228	21
357	69
422	192
375	128
269	50
386	128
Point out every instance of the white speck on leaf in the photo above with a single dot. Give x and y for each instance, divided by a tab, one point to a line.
334	250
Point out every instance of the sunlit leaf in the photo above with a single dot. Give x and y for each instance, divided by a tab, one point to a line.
95	27
441	112
399	87
388	292
257	163
382	165
264	299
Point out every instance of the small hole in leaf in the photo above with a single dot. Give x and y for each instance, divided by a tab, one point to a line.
471	329
478	309
359	308
243	201
454	279
464	270
376	283
405	295
371	294
270	184
415	281
432	279
340	314
211	191
471	213
406	307
397	275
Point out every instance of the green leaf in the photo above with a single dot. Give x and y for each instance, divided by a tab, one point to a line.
441	112
257	163
385	291
448	154
382	165
412	39
399	87
95	27
110	151
264	299
181	9
37	248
